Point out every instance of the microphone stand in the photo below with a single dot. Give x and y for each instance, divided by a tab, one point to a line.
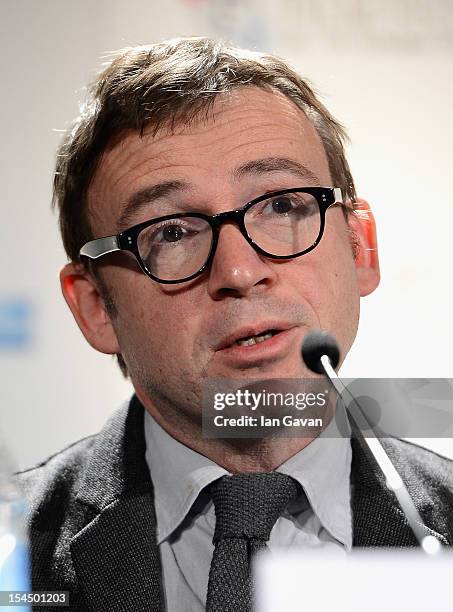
394	482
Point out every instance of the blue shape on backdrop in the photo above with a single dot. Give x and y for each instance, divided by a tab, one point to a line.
15	323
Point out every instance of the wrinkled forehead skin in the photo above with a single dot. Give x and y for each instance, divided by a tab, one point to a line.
211	146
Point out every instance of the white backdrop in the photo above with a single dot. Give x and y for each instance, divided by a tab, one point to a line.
383	68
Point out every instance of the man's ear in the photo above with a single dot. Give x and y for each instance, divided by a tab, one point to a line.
87	306
364	239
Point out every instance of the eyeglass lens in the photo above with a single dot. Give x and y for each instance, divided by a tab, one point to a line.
280	225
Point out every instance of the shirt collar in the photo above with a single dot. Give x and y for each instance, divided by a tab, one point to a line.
323	470
179	474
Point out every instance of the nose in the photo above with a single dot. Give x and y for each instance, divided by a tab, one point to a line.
237	269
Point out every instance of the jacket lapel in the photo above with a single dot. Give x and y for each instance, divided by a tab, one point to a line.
115	555
377	517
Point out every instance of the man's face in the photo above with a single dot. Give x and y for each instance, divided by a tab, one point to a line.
174	336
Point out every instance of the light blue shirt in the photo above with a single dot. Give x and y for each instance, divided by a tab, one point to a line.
186	518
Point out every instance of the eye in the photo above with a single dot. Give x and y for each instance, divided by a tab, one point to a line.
172	233
298	206
282	205
287	205
168	232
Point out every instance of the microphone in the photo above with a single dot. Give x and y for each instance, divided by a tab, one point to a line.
315	345
321	353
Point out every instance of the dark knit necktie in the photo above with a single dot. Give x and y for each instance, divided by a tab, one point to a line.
247	506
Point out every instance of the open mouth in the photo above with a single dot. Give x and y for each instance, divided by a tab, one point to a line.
250	335
251	340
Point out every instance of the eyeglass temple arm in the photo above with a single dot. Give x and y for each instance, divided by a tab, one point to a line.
338	196
101	246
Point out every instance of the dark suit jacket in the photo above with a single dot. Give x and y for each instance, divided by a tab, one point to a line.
93	526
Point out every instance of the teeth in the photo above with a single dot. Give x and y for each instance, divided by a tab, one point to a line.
254	339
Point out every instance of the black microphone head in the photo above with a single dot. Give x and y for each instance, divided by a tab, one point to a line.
315	345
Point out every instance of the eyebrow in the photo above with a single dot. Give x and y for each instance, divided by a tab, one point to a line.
144	197
276	164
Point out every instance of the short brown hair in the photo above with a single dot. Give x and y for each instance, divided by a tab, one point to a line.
172	83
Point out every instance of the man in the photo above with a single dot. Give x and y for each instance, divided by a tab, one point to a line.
210	220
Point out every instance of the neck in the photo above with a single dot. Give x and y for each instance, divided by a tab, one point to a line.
236	455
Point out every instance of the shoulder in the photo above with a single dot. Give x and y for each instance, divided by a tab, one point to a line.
58	468
429	479
56	478
68	490
54	516
420	465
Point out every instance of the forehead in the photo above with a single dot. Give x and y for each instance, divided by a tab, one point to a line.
242	126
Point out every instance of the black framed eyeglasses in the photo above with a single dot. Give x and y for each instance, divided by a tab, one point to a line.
177	248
